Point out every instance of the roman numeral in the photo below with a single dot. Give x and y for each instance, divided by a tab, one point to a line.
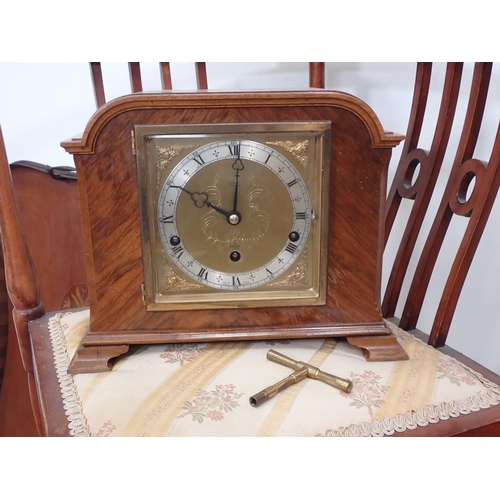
267	159
198	159
234	149
292	183
269	272
300	215
178	251
169	219
203	274
291	248
236	281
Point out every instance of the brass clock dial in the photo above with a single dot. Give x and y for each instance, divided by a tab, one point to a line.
234	214
225	195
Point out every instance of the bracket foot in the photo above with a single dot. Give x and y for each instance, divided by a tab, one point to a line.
379	348
95	359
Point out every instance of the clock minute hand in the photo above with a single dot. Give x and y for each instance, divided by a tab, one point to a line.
200	200
237	165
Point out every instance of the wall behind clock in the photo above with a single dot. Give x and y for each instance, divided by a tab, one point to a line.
42	104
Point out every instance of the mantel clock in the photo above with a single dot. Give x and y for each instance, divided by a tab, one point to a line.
232	216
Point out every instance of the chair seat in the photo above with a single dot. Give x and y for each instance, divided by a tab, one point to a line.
203	389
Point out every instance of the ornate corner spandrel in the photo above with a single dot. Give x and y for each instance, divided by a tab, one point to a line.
166	155
297	149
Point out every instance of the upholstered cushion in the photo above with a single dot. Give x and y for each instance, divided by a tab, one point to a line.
203	389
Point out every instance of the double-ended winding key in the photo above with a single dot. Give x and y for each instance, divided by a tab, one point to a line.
302	370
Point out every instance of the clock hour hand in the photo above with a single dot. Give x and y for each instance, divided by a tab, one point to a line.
200	200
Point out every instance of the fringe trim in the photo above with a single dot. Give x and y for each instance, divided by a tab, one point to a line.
77	422
424	416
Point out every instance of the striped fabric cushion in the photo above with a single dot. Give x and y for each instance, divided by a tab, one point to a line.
203	389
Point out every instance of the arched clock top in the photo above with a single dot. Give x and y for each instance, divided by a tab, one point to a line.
85	144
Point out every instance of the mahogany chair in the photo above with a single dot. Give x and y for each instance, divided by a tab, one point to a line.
470	191
47	201
480	418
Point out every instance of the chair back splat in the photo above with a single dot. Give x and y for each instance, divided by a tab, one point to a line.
316	78
455	200
134	69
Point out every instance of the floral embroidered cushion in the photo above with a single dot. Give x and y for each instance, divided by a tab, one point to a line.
203	389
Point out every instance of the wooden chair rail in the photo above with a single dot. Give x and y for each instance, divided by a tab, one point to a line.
4	320
165	75
317	75
20	275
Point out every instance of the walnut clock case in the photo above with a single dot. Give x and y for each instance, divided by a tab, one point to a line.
232	216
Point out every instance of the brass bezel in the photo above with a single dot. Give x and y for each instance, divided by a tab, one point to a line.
256	297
